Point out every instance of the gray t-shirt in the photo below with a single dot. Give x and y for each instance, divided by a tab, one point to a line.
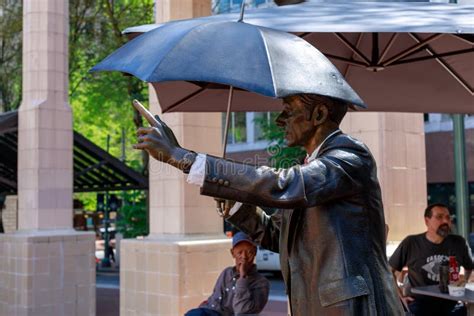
423	258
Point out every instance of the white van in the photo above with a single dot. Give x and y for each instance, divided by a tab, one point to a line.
267	260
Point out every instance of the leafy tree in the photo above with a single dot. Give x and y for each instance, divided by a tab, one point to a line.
102	102
10	54
133	219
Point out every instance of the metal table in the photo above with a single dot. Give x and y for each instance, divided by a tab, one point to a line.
433	290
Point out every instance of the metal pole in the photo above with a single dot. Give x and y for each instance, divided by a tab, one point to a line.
226	128
463	218
106	260
219	202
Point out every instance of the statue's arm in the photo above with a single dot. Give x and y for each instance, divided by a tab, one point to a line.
261	227
326	178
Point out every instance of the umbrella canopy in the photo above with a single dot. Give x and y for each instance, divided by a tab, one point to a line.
399	57
257	59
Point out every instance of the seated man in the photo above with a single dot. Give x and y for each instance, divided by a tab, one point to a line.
423	253
239	290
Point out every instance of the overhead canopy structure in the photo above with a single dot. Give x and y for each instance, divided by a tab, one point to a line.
334	16
398	56
94	168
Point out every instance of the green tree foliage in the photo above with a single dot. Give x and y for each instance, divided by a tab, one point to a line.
133	219
102	102
10	54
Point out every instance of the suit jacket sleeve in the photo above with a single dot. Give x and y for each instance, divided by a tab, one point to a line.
335	174
262	228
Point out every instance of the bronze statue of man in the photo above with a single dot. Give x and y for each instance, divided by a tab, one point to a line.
329	227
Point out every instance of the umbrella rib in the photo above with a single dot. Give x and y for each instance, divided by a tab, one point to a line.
434	56
446	66
351	62
186	98
269	64
467	38
387	48
346	71
412	49
353	48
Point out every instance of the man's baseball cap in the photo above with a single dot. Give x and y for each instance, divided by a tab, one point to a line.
241	237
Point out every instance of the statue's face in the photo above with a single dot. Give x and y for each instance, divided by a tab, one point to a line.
296	120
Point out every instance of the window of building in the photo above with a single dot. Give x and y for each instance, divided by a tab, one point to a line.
258	132
237	127
245	133
226	6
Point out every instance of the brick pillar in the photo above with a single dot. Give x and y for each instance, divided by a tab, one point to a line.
397	141
46	268
175	268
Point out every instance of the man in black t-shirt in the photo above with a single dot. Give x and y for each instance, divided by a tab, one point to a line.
423	253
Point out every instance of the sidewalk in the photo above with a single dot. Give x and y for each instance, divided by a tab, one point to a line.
108	304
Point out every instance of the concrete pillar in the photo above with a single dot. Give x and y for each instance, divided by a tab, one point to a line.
397	141
46	268
175	268
45	119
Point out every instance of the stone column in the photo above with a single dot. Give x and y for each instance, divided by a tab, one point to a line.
175	268
397	141
46	268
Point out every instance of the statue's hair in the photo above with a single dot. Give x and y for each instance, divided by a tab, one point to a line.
337	108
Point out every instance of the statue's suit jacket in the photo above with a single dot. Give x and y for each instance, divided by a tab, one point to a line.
329	229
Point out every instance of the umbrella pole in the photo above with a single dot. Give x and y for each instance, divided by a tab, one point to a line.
227	119
220	204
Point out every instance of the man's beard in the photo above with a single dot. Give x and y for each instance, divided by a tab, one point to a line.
443	230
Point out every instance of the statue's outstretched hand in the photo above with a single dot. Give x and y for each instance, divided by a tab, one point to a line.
156	142
160	142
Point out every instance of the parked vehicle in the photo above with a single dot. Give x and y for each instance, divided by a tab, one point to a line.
267	260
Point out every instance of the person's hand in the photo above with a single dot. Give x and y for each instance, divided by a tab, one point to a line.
160	142
470	278
169	133
244	268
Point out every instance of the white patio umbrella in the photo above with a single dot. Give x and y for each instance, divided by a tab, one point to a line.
398	56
